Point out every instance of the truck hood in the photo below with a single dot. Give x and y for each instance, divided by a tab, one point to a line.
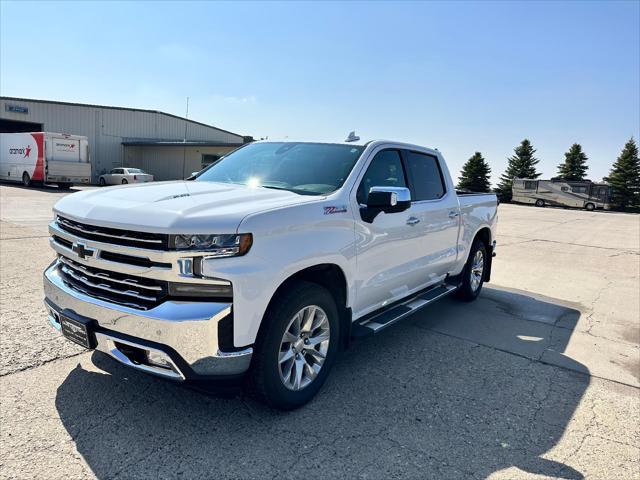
175	207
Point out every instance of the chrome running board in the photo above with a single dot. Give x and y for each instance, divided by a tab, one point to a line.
377	321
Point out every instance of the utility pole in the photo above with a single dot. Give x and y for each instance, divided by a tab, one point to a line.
184	148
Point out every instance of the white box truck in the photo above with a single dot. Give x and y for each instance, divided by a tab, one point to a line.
43	157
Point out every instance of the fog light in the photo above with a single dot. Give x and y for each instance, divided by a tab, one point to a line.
159	359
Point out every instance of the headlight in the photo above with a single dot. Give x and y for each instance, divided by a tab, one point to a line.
231	245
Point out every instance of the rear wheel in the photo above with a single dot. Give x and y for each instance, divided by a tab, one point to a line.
124	181
539	203
295	352
590	206
26	179
473	273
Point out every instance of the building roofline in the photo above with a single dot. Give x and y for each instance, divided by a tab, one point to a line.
74	104
178	143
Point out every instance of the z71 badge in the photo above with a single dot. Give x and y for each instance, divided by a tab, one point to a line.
337	209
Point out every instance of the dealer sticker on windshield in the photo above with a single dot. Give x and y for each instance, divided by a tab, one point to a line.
335	209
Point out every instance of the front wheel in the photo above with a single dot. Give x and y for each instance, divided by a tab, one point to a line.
102	182
26	179
539	203
65	186
295	352
473	273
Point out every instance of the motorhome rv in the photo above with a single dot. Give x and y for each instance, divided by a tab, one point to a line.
562	193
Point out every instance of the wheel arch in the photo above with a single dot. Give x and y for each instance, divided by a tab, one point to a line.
484	234
329	276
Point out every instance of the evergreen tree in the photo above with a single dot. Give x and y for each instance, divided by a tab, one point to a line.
625	177
475	175
521	165
575	164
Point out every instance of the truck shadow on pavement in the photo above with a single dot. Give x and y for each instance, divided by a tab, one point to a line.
420	400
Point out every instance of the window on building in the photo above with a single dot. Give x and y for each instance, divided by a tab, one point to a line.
208	159
426	176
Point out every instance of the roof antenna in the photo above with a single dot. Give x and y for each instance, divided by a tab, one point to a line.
352	137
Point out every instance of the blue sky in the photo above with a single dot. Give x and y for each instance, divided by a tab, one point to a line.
457	76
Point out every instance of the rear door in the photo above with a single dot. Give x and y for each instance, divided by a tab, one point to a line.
63	157
436	207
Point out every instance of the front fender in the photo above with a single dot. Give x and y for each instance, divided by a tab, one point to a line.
282	249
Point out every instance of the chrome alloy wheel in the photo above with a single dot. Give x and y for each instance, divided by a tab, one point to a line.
477	269
304	347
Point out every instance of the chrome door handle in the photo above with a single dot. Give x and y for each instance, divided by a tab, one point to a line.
453	214
413	221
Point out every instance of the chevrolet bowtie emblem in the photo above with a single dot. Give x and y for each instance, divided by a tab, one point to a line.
81	250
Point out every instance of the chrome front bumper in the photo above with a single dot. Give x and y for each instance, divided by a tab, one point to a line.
186	332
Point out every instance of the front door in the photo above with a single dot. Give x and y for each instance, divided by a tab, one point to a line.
387	249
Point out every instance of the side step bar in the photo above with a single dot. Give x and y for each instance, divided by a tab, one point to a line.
377	321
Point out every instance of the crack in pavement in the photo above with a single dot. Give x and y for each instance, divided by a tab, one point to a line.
621	251
44	362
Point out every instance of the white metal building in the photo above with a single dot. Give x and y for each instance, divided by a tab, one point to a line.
129	137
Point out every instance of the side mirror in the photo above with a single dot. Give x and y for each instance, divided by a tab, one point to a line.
193	174
385	199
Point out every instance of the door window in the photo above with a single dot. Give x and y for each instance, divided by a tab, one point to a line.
385	170
426	177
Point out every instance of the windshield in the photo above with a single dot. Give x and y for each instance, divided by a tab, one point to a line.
305	168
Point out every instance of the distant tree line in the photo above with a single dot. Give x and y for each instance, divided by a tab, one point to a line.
624	176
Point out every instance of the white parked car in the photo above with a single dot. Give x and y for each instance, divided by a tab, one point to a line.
119	176
266	264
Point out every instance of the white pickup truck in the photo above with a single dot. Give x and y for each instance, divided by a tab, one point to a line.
263	266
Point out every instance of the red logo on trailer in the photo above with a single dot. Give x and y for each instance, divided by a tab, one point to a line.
27	151
38	173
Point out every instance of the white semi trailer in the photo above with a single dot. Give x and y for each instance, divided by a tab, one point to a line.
43	157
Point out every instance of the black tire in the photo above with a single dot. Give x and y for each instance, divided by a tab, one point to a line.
539	203
264	380
102	182
467	292
26	179
65	186
590	207
124	181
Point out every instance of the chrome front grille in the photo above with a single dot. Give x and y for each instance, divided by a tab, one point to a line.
114	236
129	290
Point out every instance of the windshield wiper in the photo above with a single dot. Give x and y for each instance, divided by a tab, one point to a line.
299	192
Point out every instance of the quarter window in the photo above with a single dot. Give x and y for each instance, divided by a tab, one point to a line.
529	185
385	170
426	176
